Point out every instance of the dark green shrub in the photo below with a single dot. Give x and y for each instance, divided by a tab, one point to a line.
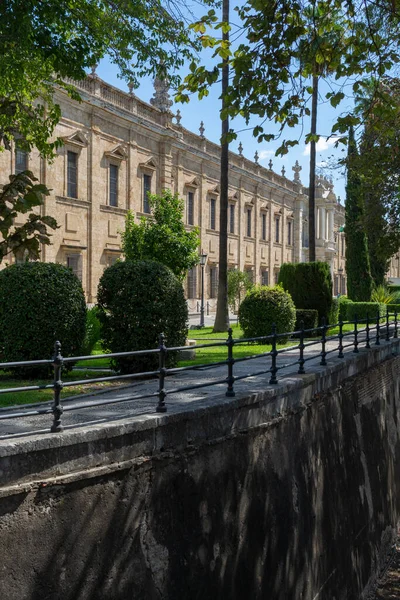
264	306
137	301
310	285
310	319
362	309
393	308
39	304
93	331
334	314
394	288
343	302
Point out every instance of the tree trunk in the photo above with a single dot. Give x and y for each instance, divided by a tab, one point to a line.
222	314
311	191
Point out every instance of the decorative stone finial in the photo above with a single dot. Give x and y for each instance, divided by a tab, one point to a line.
283	171
201	129
240	148
93	68
161	98
270	164
131	85
256	157
297	168
178	117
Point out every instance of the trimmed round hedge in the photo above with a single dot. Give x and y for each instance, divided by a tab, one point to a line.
264	306
137	301
39	304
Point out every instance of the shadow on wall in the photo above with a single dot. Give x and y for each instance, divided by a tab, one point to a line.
296	507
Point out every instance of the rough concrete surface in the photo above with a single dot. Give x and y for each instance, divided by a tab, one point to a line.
284	495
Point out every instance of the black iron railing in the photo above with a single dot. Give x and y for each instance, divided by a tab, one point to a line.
364	331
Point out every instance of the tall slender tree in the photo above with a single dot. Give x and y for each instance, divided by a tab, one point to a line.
359	280
222	315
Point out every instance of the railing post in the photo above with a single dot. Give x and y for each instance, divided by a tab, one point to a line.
377	339
395	324
58	386
301	370
323	343
387	323
161	408
208	308
367	344
340	336
355	334
230	380
273	380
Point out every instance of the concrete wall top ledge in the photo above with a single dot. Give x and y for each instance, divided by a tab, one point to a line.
255	405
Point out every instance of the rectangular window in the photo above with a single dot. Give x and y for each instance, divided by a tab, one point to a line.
146	192
113	185
192	283
231	218
21	161
112	259
263	226
213	282
74	262
289	233
342	238
264	277
212	213
304	235
335	285
190	208
276	277
249	222
72	174
277	227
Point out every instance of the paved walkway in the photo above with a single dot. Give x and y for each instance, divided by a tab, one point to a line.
96	408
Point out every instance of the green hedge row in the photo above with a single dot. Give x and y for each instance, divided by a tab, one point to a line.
363	309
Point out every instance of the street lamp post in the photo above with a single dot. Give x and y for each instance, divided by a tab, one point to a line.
203	260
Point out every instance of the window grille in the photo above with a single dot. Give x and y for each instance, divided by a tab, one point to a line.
192	283
190	208
231	218
72	174
146	192
213	282
249	222
263	226
212	213
21	161
113	185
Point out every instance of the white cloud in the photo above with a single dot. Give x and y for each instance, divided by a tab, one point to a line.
322	145
266	153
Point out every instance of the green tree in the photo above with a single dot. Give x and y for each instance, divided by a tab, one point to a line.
42	43
271	71
222	314
359	280
163	236
239	283
20	196
378	166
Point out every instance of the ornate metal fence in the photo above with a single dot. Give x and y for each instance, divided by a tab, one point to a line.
366	331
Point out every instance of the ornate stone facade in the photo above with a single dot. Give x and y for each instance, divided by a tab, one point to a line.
117	147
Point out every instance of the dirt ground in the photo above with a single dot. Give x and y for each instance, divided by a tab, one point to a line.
389	586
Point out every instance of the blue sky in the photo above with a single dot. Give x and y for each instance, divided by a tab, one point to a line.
207	110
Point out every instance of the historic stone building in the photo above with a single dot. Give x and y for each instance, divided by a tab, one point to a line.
117	148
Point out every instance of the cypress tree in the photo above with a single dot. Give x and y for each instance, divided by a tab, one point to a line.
359	280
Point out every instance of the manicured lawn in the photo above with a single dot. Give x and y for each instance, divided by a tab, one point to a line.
7	381
220	353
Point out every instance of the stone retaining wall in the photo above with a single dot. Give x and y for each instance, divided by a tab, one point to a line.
284	494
